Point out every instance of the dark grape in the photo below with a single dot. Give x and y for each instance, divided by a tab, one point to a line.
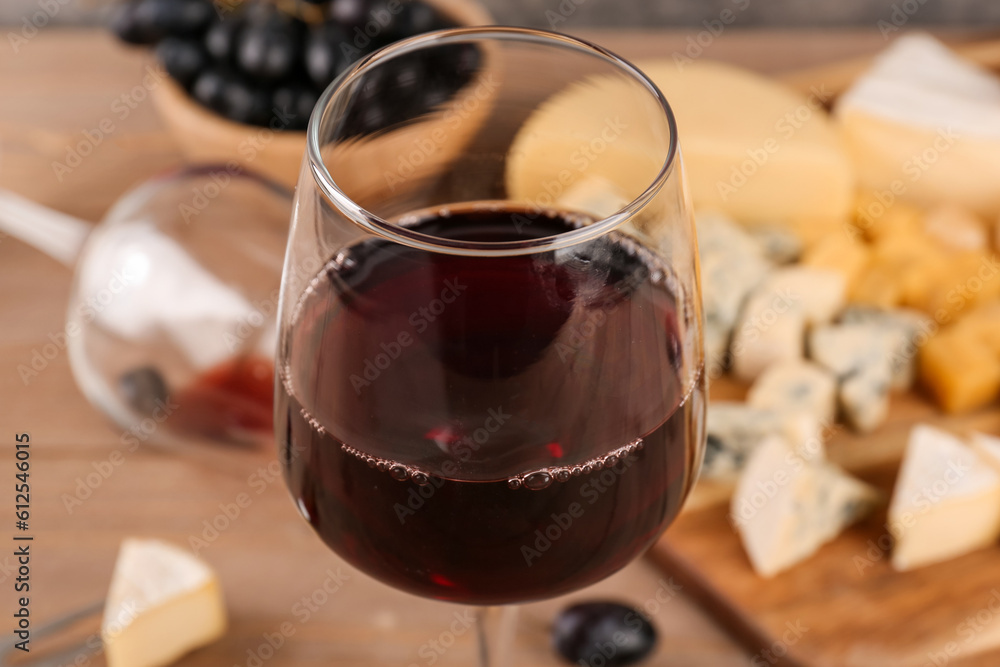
222	38
144	389
183	59
415	18
125	26
269	46
244	102
295	103
348	13
209	89
324	56
408	74
603	633
160	18
305	104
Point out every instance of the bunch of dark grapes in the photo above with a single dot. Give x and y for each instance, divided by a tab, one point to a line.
266	62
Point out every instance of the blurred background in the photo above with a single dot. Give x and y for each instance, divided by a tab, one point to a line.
646	13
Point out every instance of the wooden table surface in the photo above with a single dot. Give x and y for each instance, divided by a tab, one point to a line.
63	82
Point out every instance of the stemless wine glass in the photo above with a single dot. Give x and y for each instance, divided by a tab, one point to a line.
490	369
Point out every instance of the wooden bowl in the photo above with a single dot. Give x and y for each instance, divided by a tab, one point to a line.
206	137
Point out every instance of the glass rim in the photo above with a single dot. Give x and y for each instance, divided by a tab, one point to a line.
399	234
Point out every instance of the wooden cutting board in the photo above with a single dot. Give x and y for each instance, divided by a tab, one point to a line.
845	606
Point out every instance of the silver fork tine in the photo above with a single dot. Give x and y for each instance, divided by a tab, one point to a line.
48	629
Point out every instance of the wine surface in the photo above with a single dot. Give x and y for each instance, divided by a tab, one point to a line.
488	430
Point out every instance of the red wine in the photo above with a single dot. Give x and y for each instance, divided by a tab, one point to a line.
231	401
488	430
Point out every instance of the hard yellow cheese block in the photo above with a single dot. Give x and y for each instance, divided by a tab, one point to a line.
163	603
923	125
752	148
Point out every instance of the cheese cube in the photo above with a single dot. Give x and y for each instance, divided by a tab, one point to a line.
864	397
820	293
956	227
960	371
881	216
163	603
785	508
845	349
909	330
796	387
770	331
946	501
732	265
877	286
840	253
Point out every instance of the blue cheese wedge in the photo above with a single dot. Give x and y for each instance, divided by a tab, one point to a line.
778	244
732	264
773	321
845	349
736	429
163	603
864	397
785	507
907	331
819	293
770	331
946	501
796	387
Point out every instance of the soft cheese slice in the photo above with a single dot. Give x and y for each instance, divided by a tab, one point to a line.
785	508
927	119
163	603
946	501
756	149
753	148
